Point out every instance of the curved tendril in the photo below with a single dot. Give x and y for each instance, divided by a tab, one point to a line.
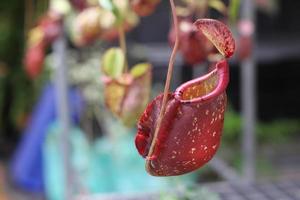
168	80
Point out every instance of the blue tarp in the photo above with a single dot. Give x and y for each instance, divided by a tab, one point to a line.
26	167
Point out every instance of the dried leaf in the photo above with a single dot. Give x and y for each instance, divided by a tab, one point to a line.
218	5
234	7
137	95
114	94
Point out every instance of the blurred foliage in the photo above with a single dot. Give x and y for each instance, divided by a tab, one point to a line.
279	130
232	126
263	166
17	93
2	88
233	10
13	84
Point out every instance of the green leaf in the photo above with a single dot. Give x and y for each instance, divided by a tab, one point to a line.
234	7
140	69
113	62
218	5
110	6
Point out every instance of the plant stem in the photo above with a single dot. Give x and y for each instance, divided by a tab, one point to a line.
122	41
29	8
168	80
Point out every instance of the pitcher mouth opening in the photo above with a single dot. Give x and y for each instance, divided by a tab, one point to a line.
204	88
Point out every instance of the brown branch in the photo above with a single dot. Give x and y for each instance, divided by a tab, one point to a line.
168	80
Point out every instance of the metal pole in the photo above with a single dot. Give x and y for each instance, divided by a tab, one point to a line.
61	83
248	91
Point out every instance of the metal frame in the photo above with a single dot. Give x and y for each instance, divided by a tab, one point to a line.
248	105
248	78
61	83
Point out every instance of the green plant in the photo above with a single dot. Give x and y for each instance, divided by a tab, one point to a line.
279	130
